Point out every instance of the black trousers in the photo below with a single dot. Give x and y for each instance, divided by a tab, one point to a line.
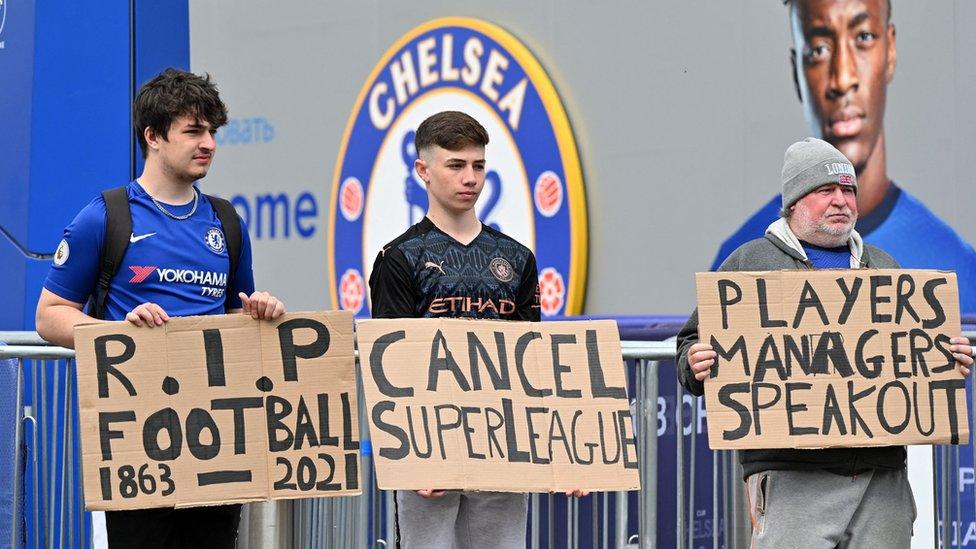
167	528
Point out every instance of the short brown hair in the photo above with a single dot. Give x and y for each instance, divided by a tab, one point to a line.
450	130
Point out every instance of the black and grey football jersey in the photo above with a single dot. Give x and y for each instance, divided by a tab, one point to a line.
425	273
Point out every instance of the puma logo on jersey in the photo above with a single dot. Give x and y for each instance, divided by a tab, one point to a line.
432	265
133	238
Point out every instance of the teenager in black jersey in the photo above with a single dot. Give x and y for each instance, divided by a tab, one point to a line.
451	265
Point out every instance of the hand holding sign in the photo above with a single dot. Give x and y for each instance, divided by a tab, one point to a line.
964	354
261	305
701	357
147	314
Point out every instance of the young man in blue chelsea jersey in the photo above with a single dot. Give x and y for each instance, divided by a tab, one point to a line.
176	264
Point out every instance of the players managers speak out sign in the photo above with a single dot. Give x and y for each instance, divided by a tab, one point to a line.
832	358
505	406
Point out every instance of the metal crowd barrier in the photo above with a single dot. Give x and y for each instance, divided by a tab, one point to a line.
51	483
54	501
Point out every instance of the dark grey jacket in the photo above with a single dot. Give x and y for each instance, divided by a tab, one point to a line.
772	253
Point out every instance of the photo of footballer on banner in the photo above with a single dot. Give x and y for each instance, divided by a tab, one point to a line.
844	59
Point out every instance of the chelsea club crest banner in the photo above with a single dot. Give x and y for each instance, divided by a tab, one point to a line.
533	185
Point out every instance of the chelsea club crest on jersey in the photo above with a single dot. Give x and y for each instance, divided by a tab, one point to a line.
215	240
533	185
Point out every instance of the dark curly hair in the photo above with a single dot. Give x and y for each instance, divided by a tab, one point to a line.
172	94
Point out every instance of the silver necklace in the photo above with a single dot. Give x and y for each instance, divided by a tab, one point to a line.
196	200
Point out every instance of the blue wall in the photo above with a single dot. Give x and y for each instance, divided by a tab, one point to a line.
162	39
70	72
16	66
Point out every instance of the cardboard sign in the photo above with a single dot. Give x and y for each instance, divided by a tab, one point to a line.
811	359
492	405
215	409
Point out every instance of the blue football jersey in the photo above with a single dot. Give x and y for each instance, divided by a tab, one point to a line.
181	265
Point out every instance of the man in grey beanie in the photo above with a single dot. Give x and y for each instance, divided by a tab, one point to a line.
832	497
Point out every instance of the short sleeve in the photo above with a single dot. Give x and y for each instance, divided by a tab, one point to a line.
74	272
244	276
391	286
527	299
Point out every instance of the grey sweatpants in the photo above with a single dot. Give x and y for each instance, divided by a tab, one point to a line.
821	510
462	520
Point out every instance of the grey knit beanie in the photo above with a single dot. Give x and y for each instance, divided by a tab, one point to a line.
810	163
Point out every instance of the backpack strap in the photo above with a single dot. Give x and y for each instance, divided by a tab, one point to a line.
118	229
231	225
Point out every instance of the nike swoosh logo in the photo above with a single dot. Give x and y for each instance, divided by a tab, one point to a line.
133	238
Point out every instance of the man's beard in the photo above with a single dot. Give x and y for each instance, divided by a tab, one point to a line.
822	233
843	233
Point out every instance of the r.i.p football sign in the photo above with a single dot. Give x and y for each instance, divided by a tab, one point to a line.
220	408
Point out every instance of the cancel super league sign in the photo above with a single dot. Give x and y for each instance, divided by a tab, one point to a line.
491	405
217	409
812	359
